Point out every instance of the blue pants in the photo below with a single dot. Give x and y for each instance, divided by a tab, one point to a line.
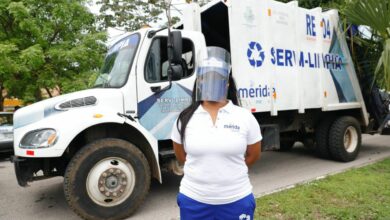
190	209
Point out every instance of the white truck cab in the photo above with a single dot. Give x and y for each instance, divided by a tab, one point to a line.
292	68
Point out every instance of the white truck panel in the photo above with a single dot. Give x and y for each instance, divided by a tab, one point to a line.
191	17
290	58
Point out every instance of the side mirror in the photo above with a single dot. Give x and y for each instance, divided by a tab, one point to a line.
177	41
175	71
175	68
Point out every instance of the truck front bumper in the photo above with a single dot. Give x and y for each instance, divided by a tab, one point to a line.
23	170
31	169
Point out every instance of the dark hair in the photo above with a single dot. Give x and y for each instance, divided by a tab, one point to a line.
186	114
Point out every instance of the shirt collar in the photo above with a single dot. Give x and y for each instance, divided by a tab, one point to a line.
227	108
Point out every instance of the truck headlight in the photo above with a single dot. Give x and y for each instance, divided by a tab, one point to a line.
39	139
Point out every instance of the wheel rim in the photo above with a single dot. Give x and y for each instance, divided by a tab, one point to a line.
350	139
111	181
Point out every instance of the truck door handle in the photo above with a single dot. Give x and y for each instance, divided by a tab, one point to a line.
155	88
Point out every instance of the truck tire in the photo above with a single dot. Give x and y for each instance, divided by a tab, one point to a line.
345	139
107	179
322	138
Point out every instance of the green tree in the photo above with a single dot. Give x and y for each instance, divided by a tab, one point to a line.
129	14
46	45
310	3
376	15
200	2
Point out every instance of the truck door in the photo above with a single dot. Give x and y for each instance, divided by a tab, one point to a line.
157	110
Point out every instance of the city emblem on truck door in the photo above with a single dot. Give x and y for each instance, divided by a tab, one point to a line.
255	54
248	16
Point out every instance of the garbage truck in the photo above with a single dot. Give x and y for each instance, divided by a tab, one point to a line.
292	68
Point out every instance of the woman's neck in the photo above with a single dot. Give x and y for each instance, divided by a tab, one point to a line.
211	105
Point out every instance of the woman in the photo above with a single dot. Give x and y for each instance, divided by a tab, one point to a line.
216	140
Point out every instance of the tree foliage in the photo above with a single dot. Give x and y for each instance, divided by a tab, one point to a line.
47	45
200	2
129	14
310	3
376	15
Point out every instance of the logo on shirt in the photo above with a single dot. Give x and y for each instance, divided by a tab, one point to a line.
245	217
232	127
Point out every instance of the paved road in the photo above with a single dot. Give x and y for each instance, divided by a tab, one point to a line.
275	171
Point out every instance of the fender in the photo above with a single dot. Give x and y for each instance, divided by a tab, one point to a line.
153	143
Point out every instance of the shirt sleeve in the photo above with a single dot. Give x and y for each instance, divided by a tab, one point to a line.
254	133
175	134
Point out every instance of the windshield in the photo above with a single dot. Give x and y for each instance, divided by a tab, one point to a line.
118	62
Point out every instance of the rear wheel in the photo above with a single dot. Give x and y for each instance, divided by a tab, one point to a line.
108	179
322	138
345	139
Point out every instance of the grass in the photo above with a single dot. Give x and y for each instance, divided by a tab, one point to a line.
362	193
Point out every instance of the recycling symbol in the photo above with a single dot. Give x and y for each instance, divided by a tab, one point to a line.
255	54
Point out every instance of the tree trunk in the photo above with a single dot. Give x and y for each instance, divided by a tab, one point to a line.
48	92
1	98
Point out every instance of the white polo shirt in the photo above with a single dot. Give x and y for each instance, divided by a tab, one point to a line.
215	171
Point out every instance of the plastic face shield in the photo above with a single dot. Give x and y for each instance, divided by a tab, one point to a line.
212	80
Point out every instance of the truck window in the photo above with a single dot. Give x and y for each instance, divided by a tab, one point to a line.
118	62
156	65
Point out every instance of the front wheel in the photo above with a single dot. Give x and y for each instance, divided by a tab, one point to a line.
107	179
